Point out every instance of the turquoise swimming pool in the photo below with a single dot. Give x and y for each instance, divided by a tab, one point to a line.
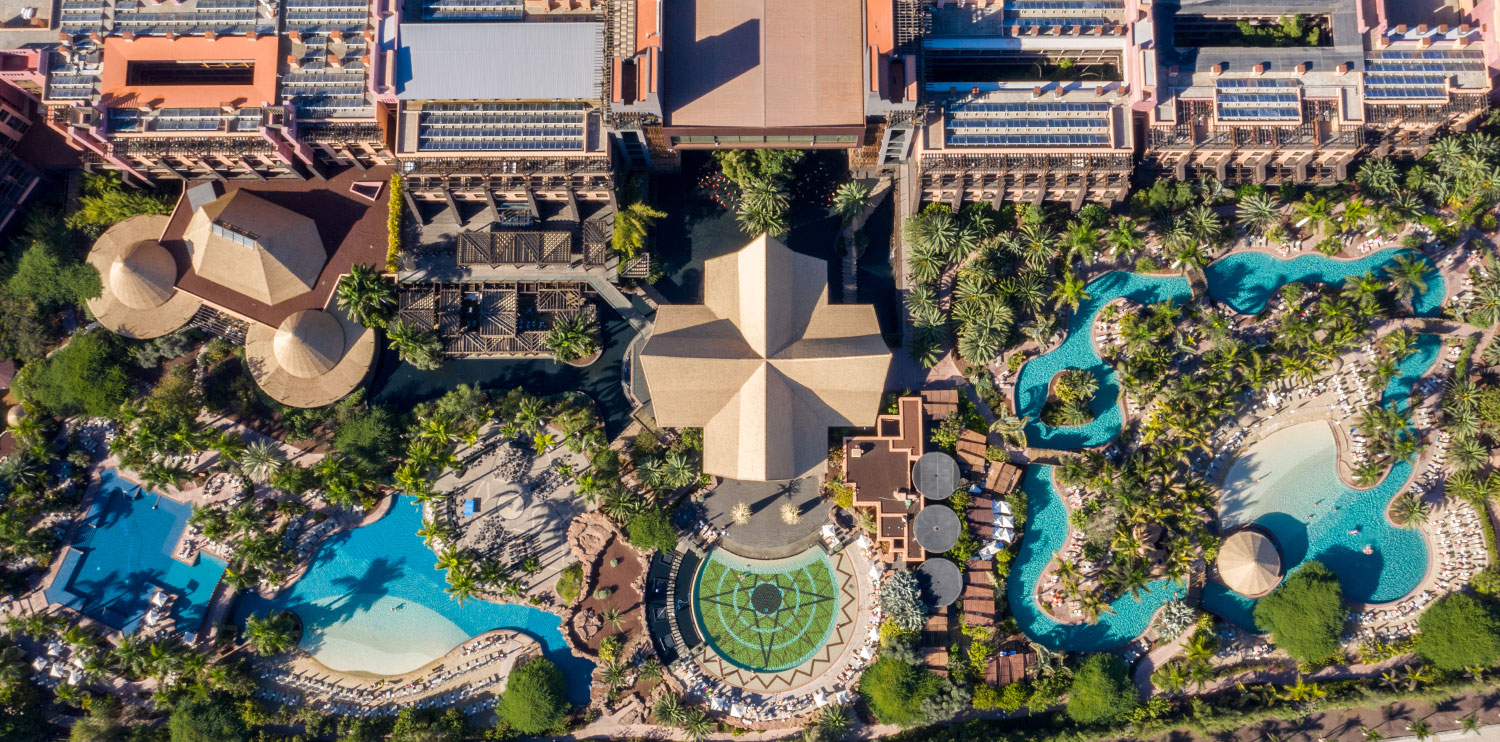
1338	521
123	552
1247	280
372	603
1077	351
1046	529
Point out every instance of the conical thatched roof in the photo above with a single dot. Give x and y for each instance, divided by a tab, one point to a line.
143	274
309	343
1249	563
766	365
137	277
254	247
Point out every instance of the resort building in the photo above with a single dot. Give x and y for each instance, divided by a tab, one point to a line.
249	265
766	365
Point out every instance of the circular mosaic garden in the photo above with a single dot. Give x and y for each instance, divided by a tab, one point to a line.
766	616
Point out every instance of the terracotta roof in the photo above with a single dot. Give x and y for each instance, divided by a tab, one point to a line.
764	63
120	53
351	230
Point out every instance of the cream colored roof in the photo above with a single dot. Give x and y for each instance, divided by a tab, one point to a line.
279	258
314	358
1249	563
137	274
766	365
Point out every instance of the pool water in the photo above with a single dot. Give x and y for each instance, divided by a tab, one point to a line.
1046	529
1247	280
1077	351
1288	484
1321	517
371	602
123	552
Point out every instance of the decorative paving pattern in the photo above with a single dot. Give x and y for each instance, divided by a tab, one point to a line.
841	636
766	616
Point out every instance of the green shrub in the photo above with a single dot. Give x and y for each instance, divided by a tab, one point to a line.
1305	614
652	530
1101	691
1458	632
87	376
535	700
395	208
570	583
894	690
206	719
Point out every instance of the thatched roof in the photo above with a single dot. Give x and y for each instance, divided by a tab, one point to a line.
314	358
1249	563
766	365
138	298
256	248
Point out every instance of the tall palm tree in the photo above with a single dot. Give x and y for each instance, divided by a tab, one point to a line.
632	224
366	296
850	200
669	709
697	725
461	585
261	460
1406	276
1377	175
572	337
1409	510
1069	290
1011	429
272	633
1259	211
763	208
1420	729
422	349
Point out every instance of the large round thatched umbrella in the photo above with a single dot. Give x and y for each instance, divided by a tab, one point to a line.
1249	563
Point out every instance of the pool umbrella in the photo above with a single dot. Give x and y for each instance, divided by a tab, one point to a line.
937	528
1005	521
935	475
1004	507
1249	563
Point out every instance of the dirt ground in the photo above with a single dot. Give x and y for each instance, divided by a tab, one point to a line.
623	596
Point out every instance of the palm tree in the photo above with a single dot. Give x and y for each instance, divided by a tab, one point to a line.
1377	175
1259	211
632	224
1420	729
1409	510
1125	238
572	337
790	515
261	460
1204	224
697	725
422	349
366	296
1069	290
740	513
452	559
613	617
1470	724
1469	454
763	208
1407	277
1011	429
669	709
272	633
926	263
850	200
432	531
461	585
1371	734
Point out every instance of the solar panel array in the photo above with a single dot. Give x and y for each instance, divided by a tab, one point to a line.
322	16
1062	13
229	17
1427	60
502	127
1257	100
471	10
1026	124
1406	87
81	16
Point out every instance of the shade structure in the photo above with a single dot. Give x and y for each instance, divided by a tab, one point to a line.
1249	563
256	248
766	365
940	581
316	357
935	475
137	297
937	528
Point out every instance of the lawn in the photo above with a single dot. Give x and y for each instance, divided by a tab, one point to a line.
767	621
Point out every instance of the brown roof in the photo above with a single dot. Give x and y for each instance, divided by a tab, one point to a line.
764	63
351	229
257	248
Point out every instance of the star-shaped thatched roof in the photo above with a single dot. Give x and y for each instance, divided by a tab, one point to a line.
766	365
